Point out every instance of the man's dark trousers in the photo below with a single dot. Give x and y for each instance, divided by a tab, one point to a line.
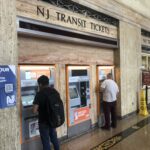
48	134
110	109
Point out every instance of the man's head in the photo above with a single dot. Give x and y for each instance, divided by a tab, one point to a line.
43	81
109	76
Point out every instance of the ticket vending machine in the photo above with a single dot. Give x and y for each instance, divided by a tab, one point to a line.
102	72
78	98
28	82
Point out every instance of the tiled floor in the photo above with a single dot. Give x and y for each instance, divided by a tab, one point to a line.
139	140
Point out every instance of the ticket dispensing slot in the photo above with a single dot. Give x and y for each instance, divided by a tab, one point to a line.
29	88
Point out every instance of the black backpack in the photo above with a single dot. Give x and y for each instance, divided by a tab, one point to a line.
55	108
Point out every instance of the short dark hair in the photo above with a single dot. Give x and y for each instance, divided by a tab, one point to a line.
109	75
43	80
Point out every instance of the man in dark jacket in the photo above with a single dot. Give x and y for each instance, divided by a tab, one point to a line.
46	132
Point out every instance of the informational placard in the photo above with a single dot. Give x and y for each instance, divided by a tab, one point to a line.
33	129
7	86
146	78
81	114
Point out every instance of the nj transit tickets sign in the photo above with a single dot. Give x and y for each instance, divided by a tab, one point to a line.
7	86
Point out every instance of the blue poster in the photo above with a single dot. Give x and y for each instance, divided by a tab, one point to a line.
7	86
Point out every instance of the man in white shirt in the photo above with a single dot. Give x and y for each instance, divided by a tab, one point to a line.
110	91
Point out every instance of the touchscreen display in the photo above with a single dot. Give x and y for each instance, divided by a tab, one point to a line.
73	92
27	100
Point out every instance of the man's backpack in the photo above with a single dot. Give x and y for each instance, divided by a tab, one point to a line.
55	109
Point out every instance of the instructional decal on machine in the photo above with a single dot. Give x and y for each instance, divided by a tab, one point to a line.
33	129
7	86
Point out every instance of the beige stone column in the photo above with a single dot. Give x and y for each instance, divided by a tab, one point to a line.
93	94
61	87
9	117
130	60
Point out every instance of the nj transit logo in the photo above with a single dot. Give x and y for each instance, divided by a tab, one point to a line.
10	100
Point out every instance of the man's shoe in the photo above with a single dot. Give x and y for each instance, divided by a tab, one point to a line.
105	128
